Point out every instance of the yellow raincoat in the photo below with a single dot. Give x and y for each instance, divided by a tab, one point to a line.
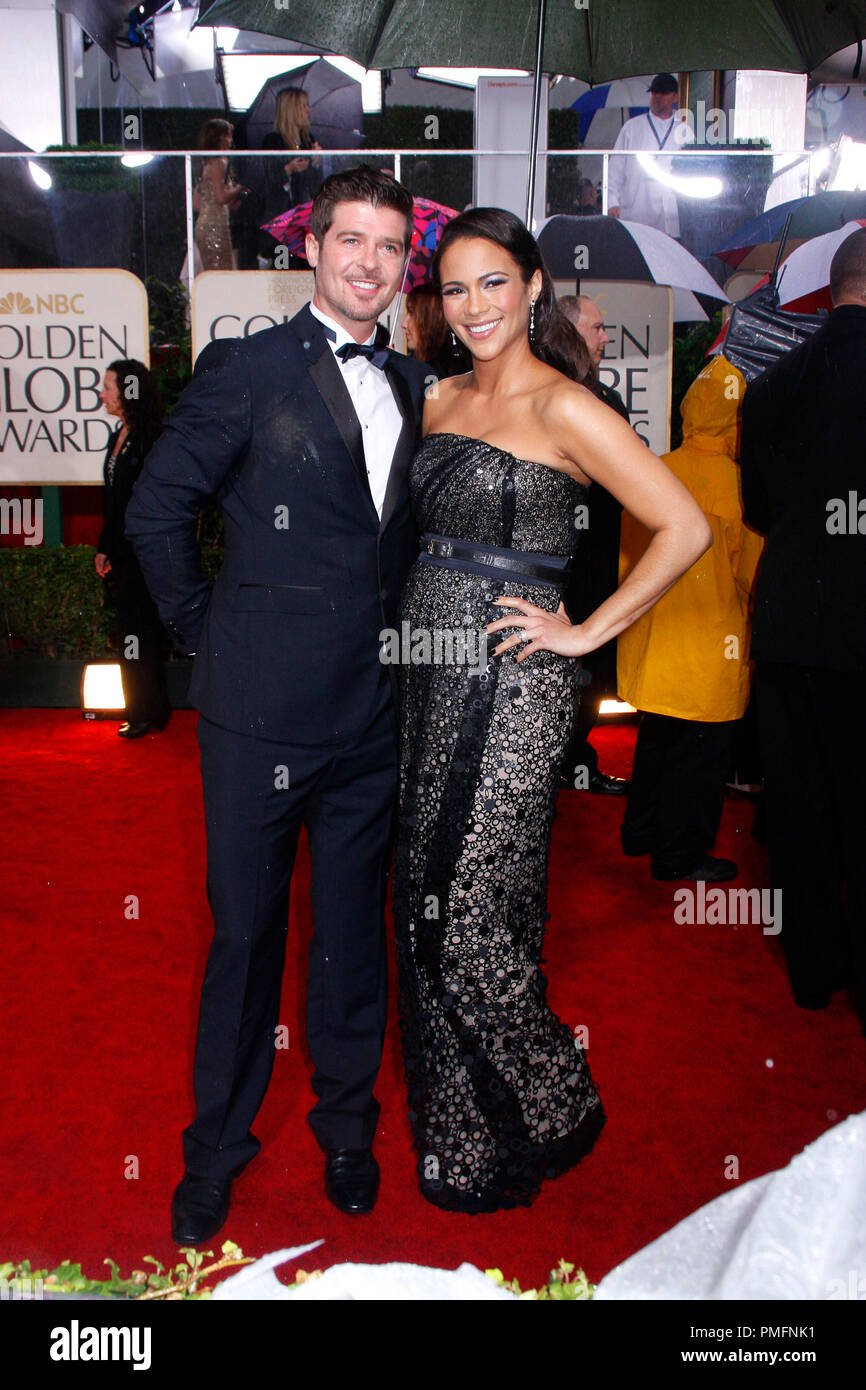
688	657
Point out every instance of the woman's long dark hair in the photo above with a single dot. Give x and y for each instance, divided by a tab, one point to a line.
142	406
555	341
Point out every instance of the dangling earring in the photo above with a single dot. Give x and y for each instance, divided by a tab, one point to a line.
455	346
532	320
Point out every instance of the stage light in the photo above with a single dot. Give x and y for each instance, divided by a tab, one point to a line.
244	74
850	171
700	187
616	707
40	176
102	694
465	77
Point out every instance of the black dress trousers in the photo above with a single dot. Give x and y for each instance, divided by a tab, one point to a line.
814	753
677	790
141	644
257	794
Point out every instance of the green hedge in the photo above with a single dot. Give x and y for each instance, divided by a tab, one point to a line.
52	599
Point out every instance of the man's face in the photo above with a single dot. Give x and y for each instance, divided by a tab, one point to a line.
358	265
590	326
662	104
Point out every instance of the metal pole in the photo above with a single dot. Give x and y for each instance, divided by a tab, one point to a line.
536	101
190	239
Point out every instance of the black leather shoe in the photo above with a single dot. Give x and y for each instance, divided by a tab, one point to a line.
603	784
709	870
352	1179
137	728
199	1208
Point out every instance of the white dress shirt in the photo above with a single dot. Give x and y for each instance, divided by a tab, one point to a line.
631	188
375	406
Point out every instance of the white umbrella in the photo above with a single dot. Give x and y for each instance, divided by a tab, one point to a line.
805	275
612	249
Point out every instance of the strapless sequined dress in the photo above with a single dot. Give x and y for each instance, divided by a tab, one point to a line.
500	1094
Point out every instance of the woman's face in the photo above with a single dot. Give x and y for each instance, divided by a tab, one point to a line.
226	140
110	395
410	331
484	297
304	109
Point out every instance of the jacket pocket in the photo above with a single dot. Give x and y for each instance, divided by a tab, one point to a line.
280	598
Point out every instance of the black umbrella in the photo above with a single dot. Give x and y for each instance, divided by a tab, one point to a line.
759	332
336	113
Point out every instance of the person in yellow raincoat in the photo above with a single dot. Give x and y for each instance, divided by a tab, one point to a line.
685	663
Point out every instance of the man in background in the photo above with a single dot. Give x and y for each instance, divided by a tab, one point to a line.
636	188
594	578
804	483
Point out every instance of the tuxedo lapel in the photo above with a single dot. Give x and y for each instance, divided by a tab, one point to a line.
328	381
405	443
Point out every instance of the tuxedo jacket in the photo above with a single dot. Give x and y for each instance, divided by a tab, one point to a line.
287	644
804	445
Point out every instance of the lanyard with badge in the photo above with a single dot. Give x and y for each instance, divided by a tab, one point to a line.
661	143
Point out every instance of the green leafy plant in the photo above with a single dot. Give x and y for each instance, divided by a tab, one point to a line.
183	1281
565	1284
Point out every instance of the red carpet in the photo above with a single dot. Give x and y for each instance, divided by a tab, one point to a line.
699	1051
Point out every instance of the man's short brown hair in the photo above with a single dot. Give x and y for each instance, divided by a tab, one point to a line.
361	185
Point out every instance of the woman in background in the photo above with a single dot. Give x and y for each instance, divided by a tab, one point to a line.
215	193
427	335
298	179
130	394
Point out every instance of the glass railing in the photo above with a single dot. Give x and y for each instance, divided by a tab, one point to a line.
93	210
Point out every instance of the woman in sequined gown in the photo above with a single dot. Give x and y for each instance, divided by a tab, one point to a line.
500	1093
215	193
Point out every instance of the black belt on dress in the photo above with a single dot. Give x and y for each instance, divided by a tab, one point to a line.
496	561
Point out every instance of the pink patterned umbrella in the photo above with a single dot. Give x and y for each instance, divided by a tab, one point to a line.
290	230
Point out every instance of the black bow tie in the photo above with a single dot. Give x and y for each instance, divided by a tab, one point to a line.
378	356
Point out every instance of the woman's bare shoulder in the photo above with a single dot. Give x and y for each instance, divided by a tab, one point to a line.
440	397
572	405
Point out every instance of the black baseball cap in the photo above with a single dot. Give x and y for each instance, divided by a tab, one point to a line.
664	82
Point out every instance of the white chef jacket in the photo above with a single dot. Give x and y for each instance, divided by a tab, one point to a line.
377	411
639	196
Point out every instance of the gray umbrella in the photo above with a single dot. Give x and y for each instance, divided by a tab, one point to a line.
336	115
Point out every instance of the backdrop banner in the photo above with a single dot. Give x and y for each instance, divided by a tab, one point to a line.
638	361
59	330
238	303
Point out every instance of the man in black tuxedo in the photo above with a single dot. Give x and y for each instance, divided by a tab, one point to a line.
594	577
804	485
305	439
